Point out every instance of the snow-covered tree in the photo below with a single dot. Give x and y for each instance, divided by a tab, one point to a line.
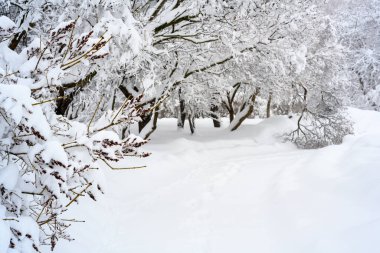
47	161
358	24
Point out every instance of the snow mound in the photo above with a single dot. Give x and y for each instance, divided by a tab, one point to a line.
268	131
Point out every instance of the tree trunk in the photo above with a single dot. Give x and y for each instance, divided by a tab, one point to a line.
124	132
215	116
16	40
151	126
145	119
191	124
244	113
68	97
182	113
231	114
269	104
63	104
230	99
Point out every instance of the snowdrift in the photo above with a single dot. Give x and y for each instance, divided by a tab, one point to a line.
240	192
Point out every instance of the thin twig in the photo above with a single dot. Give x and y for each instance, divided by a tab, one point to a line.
78	195
10	219
47	101
93	116
127	168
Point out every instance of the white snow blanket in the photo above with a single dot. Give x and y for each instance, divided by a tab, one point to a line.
245	192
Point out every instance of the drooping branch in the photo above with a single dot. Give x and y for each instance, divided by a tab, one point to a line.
220	62
175	21
158	8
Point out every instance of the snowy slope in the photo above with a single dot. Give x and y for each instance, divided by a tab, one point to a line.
244	192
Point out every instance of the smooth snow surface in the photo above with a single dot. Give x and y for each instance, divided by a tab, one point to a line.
242	192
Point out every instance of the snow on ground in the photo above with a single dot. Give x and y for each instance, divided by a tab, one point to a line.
241	192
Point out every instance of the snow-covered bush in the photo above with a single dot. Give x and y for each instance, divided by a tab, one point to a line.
47	162
318	130
321	123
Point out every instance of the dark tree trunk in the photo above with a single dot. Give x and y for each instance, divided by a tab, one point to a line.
152	125
124	132
191	124
245	112
215	117
63	103
269	104
229	105
148	123
68	97
231	114
16	40
144	121
182	113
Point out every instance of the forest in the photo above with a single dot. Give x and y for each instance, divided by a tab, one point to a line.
175	116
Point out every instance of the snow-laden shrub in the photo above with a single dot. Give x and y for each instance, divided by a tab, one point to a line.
47	162
317	130
321	124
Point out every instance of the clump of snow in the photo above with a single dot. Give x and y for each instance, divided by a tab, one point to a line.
9	59
53	150
270	130
6	23
16	101
9	176
28	67
9	95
